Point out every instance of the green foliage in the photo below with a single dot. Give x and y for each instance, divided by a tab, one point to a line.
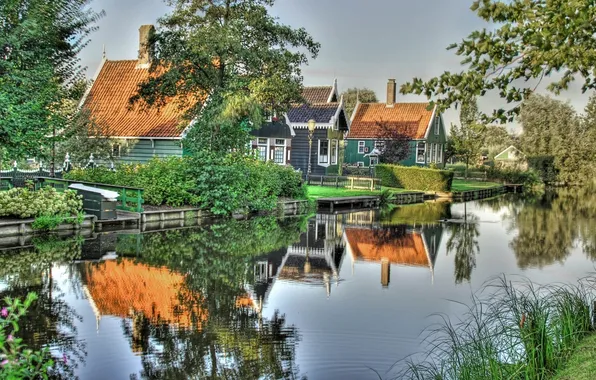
49	222
467	138
530	39
164	180
17	361
511	175
414	178
545	167
24	203
353	94
510	331
221	184
235	53
496	138
40	43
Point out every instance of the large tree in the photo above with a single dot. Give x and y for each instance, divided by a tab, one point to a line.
39	43
352	95
233	51
467	137
528	39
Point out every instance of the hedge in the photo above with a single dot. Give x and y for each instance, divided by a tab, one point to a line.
414	178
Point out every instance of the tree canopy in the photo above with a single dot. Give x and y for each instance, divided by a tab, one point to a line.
467	137
233	51
39	43
528	39
352	95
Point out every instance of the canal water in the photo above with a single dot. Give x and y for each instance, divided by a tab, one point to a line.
343	296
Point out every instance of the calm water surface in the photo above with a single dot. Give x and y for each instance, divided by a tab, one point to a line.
332	297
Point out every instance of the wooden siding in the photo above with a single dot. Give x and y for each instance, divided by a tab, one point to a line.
141	150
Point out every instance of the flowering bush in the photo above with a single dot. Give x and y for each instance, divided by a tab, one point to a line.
16	360
25	203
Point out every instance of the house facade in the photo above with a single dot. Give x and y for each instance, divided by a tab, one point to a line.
285	140
424	127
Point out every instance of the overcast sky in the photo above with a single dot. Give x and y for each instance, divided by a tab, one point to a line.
364	42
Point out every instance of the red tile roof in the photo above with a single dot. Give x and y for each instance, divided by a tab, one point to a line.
108	102
412	119
405	250
314	95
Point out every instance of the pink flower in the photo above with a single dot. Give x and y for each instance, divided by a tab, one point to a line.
4	362
4	312
10	338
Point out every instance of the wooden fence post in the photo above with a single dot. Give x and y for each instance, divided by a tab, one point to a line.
337	182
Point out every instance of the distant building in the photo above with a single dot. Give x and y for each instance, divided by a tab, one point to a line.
511	158
424	127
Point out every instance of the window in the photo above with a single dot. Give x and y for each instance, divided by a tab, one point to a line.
280	149
421	152
360	164
436	155
262	148
374	161
116	150
334	144
431	157
440	159
323	151
380	145
437	124
361	147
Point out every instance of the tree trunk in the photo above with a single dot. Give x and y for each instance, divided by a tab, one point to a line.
466	171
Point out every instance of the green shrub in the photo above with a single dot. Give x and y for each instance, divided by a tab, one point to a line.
47	222
18	361
545	167
510	175
24	203
414	178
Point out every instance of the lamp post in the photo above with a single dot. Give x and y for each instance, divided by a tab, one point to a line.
311	131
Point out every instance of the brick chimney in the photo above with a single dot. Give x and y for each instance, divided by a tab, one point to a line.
145	32
391	92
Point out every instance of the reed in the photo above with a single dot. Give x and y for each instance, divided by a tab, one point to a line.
517	331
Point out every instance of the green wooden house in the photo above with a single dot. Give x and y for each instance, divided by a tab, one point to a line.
424	127
138	134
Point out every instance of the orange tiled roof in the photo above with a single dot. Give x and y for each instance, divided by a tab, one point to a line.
405	250
117	288
108	102
412	119
314	95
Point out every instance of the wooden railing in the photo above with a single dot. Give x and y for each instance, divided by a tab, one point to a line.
130	198
361	183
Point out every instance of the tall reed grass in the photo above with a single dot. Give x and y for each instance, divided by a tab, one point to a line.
510	331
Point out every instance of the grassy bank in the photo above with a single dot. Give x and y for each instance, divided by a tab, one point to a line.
517	331
316	192
582	364
468	185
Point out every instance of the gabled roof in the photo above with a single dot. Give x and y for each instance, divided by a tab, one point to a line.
408	249
411	119
108	102
321	113
511	153
320	94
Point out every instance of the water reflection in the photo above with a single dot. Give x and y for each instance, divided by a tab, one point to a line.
324	297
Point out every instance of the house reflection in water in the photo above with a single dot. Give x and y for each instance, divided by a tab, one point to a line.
397	245
145	294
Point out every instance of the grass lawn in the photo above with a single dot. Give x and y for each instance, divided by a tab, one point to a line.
466	185
315	192
582	364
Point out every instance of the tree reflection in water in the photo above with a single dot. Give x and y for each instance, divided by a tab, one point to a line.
463	241
50	321
234	341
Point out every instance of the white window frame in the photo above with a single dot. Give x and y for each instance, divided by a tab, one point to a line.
440	158
437	125
116	145
276	146
424	154
376	161
333	151
323	163
260	145
436	156
361	145
360	164
431	153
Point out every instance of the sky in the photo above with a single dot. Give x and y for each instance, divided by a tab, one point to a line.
363	42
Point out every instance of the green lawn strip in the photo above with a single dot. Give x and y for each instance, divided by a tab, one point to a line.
467	185
315	192
582	363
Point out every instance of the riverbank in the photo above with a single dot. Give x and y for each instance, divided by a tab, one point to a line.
582	363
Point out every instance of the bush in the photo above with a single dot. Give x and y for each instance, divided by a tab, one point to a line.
545	167
414	178
25	203
526	177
